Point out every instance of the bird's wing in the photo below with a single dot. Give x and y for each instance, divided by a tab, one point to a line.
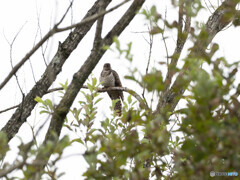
117	79
118	83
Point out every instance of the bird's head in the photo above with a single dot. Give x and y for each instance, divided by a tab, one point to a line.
107	66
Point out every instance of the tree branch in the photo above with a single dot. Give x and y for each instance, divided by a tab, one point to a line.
100	90
216	22
80	77
53	31
33	50
50	74
181	40
130	91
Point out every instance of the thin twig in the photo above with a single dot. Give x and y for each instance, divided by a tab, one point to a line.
92	18
40	32
65	14
11	57
8	109
29	54
207	6
212	5
164	40
148	62
32	71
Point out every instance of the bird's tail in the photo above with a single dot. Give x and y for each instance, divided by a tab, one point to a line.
118	108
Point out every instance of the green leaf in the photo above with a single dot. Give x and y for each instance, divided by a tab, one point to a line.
67	126
77	140
144	140
153	10
62	144
3	144
49	103
106	48
125	104
92	131
42	112
94	82
98	100
133	79
129	99
39	100
90	87
65	85
117	42
154	81
128	52
92	115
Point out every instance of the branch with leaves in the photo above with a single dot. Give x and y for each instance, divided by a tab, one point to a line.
216	22
80	77
100	90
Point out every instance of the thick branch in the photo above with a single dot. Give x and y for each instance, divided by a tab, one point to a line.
80	77
50	74
181	40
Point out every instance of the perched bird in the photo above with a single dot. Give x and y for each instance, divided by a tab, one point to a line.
110	78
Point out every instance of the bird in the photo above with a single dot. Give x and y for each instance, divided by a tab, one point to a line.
110	78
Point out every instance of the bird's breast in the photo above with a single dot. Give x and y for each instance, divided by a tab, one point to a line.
108	80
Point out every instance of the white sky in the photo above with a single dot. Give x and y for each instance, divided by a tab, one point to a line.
15	14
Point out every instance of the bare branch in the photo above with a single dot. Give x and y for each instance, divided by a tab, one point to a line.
64	15
34	49
180	16
207	6
164	39
148	61
11	57
41	36
53	31
92	18
10	108
50	74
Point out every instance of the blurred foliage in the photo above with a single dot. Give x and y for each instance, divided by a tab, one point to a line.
210	123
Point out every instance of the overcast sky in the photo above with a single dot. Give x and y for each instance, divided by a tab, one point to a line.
29	15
